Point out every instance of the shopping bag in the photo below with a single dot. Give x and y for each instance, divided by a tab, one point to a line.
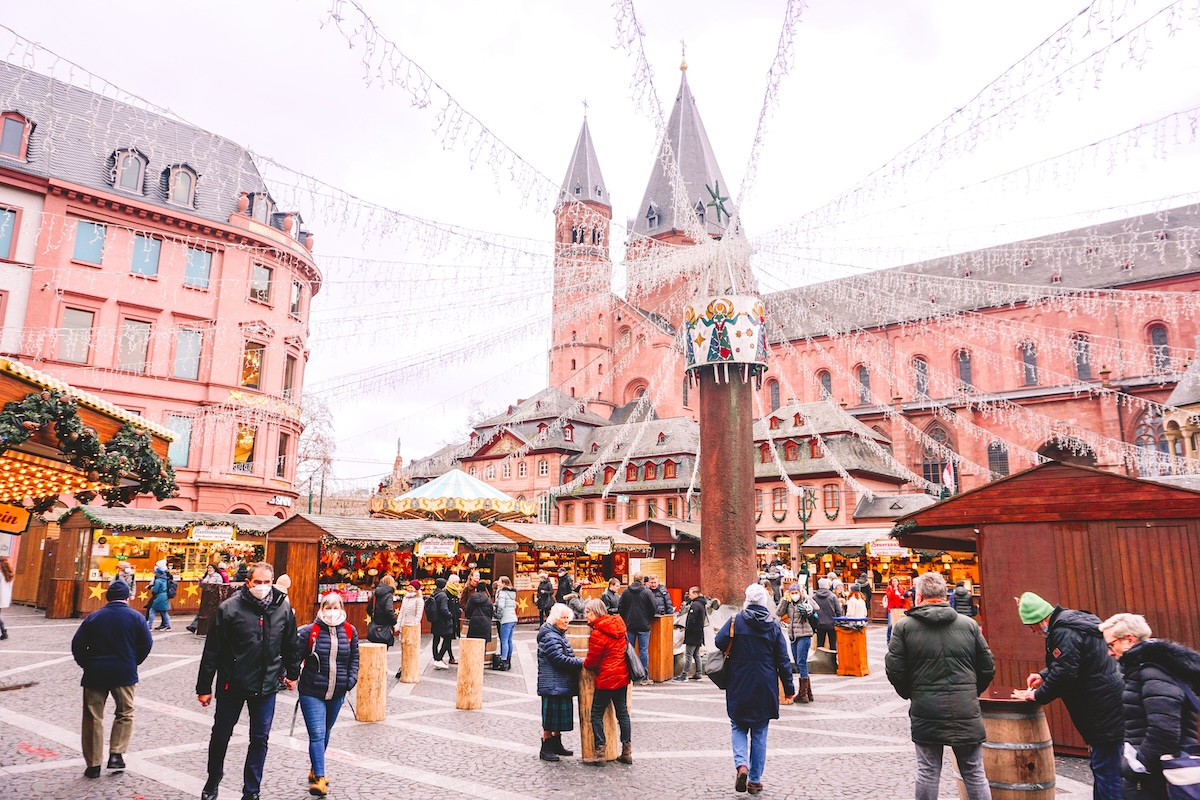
633	662
716	663
1183	774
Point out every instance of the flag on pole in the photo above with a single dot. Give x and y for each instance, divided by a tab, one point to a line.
948	477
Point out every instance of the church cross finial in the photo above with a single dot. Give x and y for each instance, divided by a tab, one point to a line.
585	108
683	56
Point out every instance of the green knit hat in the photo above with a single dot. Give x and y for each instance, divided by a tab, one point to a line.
1033	609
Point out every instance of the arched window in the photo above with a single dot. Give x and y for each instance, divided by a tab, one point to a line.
1150	437
129	169
543	468
826	382
572	365
522	470
864	385
181	186
599	369
832	498
1160	348
935	465
609	474
1082	349
1029	365
765	455
669	469
773	389
631	471
965	376
998	458
651	471
920	377
791	451
14	135
568	433
506	469
652	216
490	472
471	471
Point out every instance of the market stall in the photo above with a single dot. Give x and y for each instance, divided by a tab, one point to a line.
677	544
455	497
593	555
349	555
95	540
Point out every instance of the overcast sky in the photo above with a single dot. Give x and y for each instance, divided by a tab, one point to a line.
870	77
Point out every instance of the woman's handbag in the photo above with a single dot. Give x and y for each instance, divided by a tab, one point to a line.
381	634
1183	774
633	663
716	663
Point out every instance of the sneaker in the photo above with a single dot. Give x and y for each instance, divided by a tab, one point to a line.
116	762
696	677
645	683
440	665
680	678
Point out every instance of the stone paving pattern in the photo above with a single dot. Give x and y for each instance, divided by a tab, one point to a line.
852	742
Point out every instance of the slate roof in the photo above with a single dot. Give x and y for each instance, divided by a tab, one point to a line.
697	167
584	181
439	462
546	405
870	300
850	452
891	506
682	439
821	416
76	132
1187	391
174	521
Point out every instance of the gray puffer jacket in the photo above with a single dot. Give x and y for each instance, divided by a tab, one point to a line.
939	660
798	624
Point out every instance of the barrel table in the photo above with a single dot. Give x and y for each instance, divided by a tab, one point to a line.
1018	754
852	652
662	648
577	635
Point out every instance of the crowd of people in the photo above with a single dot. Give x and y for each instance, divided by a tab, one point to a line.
1131	696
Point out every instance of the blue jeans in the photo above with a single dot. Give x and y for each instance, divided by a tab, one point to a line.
506	632
1105	760
642	640
800	653
319	716
757	740
229	709
166	618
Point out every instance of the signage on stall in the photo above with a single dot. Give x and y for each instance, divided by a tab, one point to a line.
14	519
211	533
437	548
598	545
887	547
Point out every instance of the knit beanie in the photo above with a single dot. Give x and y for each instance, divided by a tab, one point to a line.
1033	609
756	595
118	590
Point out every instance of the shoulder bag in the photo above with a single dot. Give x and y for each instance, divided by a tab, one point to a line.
1182	772
716	664
633	663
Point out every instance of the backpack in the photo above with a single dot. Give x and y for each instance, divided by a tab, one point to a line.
316	630
172	587
430	609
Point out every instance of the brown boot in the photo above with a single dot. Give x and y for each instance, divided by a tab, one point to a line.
808	688
626	756
802	690
596	760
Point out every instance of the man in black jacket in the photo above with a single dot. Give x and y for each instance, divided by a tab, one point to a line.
1079	670
662	598
251	649
637	609
938	659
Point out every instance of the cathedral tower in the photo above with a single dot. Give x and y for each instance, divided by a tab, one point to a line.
581	339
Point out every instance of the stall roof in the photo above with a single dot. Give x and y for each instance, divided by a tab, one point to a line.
691	530
454	493
152	519
559	535
374	532
846	538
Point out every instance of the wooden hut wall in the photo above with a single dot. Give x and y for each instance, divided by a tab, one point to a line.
29	561
292	548
72	555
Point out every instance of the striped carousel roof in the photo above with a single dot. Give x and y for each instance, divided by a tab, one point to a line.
455	492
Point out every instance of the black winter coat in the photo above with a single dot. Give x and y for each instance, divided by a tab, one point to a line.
828	607
480	611
758	661
445	618
566	586
693	628
558	668
109	645
1081	672
545	595
314	673
939	660
662	601
1159	719
612	601
250	646
637	608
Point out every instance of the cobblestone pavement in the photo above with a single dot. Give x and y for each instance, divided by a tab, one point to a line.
853	741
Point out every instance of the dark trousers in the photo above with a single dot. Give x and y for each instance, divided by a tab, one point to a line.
441	647
1105	761
831	634
229	710
620	701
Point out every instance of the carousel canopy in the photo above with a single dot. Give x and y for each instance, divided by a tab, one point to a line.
564	536
454	496
362	532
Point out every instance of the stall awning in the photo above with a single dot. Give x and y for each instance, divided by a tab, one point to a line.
691	530
569	537
848	540
150	519
366	532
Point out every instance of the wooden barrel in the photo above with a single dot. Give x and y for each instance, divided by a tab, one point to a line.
1018	755
493	644
577	635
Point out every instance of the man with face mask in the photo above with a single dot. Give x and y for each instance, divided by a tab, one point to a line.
251	649
1079	671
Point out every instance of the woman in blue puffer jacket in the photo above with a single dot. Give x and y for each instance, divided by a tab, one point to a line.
557	681
328	672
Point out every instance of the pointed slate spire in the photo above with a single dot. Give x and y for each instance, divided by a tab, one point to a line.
707	190
584	181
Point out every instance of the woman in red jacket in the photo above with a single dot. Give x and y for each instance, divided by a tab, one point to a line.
895	599
606	658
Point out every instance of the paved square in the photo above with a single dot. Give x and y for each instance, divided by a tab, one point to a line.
852	742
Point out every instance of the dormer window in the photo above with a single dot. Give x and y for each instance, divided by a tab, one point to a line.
261	207
589	479
14	135
815	449
662	438
609	474
595	447
775	423
631	472
651	470
791	451
669	470
652	217
128	171
798	420
181	185
542	428
568	476
599	191
578	188
568	433
700	212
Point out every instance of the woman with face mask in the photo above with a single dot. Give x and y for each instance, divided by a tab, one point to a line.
328	672
798	629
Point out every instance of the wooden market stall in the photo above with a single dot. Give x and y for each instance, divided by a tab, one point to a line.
677	544
1080	537
593	555
349	555
94	540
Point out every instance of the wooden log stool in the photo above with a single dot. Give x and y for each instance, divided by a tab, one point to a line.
410	654
468	693
612	732
372	682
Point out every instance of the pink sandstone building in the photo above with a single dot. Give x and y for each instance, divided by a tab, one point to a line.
143	259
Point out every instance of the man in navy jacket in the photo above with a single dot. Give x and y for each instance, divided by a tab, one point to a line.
109	645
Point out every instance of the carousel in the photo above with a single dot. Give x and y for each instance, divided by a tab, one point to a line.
454	497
